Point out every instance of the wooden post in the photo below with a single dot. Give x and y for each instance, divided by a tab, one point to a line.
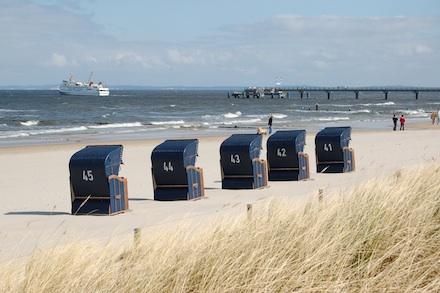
320	195
249	211
137	237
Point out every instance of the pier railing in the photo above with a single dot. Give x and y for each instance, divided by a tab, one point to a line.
282	92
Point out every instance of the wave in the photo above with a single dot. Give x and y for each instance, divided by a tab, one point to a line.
362	111
352	111
186	126
332	119
343	105
414	113
167	122
59	130
116	125
243	121
108	114
379	104
279	116
30	123
232	115
15	134
46	123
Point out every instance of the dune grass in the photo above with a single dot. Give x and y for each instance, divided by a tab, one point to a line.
383	236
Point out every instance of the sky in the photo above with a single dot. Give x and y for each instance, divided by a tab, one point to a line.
221	43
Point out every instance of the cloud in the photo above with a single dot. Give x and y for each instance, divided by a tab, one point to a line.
292	27
177	56
58	60
320	64
422	49
297	47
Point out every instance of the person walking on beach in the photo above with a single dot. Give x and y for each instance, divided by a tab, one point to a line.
438	116
402	123
395	122
433	115
270	124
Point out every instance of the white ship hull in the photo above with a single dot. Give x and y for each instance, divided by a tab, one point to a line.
83	91
76	88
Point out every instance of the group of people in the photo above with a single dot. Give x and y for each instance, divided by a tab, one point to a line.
402	122
434	116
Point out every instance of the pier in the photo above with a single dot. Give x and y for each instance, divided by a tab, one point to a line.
285	92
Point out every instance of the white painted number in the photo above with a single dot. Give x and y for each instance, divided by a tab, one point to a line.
235	159
281	152
88	175
167	166
328	147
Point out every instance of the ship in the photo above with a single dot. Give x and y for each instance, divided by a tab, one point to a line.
77	88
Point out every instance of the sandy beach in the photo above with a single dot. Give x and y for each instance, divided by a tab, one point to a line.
35	191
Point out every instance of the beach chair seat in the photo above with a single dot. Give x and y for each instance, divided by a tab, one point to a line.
332	152
286	158
175	176
241	167
95	185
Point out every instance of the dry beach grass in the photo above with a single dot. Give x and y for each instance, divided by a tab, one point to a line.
382	236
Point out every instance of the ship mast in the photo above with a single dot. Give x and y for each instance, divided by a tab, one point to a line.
90	77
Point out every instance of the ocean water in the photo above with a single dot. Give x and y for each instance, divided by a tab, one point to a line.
39	116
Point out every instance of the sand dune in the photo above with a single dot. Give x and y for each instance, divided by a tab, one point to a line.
35	191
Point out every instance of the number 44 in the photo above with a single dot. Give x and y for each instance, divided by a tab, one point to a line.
167	166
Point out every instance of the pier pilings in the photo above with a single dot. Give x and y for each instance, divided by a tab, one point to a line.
285	92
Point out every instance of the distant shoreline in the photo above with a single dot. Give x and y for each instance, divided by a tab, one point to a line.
178	134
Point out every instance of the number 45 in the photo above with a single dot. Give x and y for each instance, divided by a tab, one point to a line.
87	175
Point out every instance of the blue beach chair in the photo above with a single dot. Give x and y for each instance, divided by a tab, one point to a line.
286	159
95	185
241	166
175	176
332	152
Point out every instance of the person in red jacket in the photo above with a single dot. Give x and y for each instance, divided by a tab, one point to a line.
402	123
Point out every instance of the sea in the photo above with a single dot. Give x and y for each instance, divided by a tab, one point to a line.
33	117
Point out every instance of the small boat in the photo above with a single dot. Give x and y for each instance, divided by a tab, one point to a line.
77	88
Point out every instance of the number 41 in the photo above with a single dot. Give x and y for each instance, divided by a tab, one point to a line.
328	147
